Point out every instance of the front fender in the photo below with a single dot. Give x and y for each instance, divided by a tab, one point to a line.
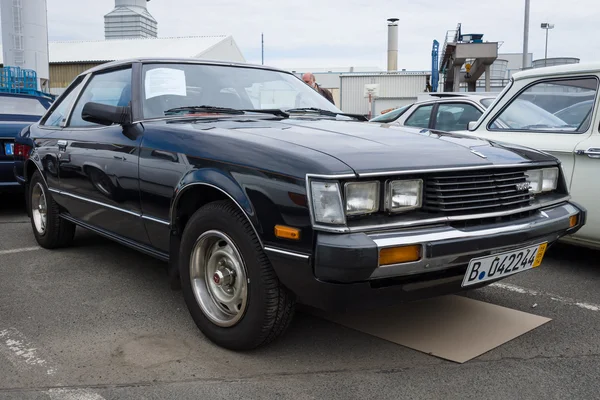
266	199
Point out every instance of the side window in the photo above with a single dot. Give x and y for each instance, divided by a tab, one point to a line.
558	106
58	115
420	118
455	116
112	88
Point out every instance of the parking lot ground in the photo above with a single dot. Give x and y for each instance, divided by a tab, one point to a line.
98	321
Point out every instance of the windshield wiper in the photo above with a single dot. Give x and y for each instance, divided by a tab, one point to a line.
211	109
225	110
274	111
321	111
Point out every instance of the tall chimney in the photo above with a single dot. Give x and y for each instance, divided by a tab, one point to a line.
392	59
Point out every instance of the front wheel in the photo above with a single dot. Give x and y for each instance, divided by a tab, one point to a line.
229	286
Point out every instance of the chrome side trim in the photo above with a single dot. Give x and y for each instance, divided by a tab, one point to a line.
453	169
98	203
101	204
157	220
287	253
184	189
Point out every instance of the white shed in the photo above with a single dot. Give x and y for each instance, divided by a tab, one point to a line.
395	89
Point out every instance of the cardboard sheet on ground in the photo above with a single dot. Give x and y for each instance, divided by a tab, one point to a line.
450	327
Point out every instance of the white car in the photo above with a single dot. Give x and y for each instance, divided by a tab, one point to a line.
555	109
443	111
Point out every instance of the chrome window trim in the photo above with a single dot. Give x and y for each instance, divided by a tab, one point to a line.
287	252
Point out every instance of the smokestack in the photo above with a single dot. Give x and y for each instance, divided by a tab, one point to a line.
392	44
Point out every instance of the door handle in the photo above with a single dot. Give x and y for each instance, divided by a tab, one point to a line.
62	145
591	152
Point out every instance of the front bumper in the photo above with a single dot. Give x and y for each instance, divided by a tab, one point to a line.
344	272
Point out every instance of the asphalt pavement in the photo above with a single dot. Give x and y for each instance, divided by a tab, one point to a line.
98	321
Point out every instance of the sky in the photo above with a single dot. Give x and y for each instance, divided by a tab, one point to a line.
335	33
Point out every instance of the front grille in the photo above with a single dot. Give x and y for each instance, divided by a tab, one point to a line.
476	192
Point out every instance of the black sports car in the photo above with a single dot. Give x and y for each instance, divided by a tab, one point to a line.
260	193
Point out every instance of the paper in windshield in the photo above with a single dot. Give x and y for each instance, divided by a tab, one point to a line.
165	81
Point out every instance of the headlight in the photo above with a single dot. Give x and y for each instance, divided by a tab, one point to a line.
404	195
361	197
327	202
542	180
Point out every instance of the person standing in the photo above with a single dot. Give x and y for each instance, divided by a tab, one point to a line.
310	80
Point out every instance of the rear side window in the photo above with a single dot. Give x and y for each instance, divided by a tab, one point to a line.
420	118
21	106
557	106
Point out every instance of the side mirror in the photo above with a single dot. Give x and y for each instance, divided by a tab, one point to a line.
471	126
105	114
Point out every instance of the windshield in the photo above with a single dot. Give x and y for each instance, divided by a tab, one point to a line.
21	106
169	86
523	114
392	115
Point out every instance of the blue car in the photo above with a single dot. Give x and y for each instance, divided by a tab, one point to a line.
17	111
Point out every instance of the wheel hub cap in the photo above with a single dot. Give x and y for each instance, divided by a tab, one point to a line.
218	277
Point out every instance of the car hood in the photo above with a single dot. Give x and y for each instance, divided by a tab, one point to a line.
371	148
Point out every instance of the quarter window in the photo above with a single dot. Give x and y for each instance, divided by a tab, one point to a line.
559	106
420	118
455	116
59	114
112	88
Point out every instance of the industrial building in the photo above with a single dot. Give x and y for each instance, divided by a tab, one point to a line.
130	19
69	59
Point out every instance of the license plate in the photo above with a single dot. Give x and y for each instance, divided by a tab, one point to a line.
503	264
9	149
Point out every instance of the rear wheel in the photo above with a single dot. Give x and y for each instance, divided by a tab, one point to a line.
49	229
229	286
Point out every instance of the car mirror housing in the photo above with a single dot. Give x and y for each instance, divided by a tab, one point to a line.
471	126
105	114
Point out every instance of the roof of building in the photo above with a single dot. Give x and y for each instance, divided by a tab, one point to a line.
118	49
589	67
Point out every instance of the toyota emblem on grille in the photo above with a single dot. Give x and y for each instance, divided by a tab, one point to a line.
523	186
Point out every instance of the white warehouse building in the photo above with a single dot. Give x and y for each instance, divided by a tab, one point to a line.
394	89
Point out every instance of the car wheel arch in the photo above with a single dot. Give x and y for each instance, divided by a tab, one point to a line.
191	196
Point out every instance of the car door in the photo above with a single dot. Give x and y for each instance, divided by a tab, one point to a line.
453	116
419	118
49	131
585	187
529	118
98	165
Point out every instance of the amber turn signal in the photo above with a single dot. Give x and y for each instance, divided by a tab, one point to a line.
573	220
286	232
397	255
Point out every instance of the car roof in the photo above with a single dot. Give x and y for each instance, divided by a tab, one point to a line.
456	96
115	64
588	67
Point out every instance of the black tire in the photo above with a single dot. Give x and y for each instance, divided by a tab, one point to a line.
270	306
58	232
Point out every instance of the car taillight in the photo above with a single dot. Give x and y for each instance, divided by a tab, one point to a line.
22	150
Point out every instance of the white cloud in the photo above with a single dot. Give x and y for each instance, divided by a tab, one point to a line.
349	32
